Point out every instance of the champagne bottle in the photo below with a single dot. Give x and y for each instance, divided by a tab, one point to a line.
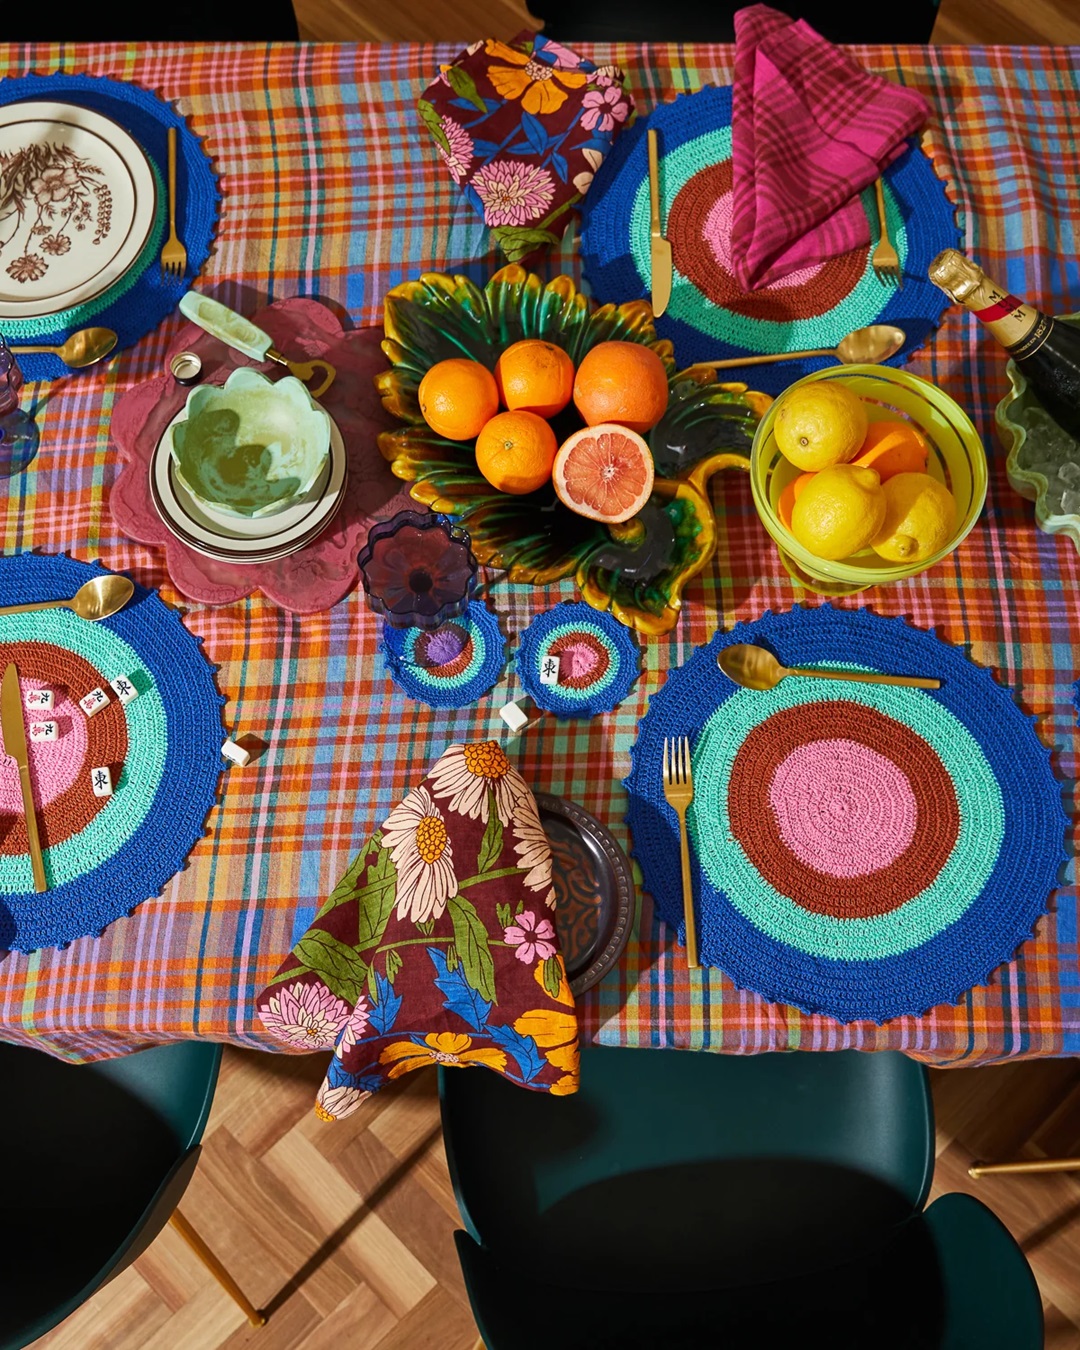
1048	352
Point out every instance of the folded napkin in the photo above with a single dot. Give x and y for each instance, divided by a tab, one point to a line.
810	130
523	127
437	946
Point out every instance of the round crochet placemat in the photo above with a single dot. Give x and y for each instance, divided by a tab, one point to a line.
450	666
103	855
593	658
864	851
709	316
142	297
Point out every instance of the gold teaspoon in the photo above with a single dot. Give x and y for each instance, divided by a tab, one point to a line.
863	347
755	668
95	599
85	348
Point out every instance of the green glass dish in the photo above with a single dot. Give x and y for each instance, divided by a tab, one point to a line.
1033	441
251	447
638	570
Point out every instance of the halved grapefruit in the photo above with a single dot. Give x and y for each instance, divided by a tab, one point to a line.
604	473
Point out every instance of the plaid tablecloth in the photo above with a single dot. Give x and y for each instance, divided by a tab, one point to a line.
332	189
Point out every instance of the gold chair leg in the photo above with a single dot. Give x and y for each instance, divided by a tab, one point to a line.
1036	1165
214	1266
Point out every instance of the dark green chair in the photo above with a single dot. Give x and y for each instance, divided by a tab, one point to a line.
95	1158
683	1201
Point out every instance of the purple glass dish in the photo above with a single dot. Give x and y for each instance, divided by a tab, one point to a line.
417	569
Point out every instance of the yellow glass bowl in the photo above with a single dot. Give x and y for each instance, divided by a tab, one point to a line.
957	459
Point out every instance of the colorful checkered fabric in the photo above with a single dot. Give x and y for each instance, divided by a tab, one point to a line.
332	188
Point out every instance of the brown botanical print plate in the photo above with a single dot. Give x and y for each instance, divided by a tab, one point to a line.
594	890
77	204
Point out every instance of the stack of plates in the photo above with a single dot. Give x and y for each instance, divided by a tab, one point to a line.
235	539
80	206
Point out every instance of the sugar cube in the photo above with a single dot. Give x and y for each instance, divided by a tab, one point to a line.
514	717
94	701
44	731
101	781
236	753
40	699
123	688
549	670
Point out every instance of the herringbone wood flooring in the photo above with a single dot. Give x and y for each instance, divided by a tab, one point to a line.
343	1232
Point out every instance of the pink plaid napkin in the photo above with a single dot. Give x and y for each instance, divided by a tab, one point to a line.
810	130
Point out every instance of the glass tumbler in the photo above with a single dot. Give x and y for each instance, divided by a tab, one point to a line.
18	430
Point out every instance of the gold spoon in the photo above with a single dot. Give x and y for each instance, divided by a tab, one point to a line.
95	599
755	668
864	347
85	348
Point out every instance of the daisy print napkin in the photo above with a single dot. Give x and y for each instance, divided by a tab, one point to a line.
437	946
523	127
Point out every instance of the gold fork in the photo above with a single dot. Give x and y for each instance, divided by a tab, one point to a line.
885	260
174	254
679	793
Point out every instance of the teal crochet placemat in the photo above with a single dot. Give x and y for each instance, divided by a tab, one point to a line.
162	749
860	850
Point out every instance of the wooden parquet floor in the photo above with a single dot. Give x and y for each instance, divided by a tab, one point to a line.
342	1232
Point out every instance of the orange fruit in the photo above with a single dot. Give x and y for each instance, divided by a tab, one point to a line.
457	397
892	448
515	452
621	382
785	503
604	473
535	376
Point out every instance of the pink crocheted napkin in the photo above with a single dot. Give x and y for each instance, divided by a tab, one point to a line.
810	130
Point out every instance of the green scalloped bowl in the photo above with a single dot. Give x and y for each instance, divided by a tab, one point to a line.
637	571
1015	436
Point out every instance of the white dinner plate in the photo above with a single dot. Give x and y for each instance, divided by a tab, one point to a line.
81	207
237	538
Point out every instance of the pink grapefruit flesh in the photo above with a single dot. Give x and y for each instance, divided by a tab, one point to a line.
604	473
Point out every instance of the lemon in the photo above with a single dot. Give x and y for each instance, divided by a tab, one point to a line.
920	514
821	424
839	511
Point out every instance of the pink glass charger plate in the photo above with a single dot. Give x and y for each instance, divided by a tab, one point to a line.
319	575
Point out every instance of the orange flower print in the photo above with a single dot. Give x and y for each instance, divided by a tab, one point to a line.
440	1047
534	82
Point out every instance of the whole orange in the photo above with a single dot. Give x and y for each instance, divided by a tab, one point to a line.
515	452
621	382
535	376
457	397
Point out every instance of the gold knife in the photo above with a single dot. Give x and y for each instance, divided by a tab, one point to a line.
13	729
659	247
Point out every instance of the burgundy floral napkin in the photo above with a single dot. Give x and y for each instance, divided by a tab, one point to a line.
437	946
810	130
523	127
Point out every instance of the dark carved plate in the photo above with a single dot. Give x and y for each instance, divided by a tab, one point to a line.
594	890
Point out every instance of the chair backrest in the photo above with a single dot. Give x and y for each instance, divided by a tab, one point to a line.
716	1150
691	21
97	1157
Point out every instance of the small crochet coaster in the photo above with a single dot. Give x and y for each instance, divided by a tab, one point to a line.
591	659
450	666
142	297
710	317
864	851
103	854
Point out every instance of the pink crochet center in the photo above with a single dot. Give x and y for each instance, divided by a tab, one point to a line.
54	765
717	231
842	808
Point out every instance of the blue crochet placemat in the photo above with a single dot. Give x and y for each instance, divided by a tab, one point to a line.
142	297
859	850
709	316
594	658
451	666
103	855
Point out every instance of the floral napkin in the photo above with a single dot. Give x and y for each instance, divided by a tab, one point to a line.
437	946
810	130
523	127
